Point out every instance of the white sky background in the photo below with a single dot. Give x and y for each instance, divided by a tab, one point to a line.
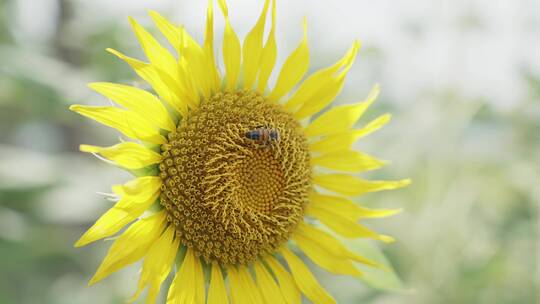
480	48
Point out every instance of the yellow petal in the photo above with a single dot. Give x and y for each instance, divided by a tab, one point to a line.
191	78
195	66
188	284
209	32
290	291
157	265
252	49
340	118
324	258
329	244
305	280
142	187
249	286
372	126
143	192
163	84
344	140
166	66
294	68
231	51
212	72
326	92
346	227
243	289
129	123
169	30
137	100
129	155
267	286
157	55
343	207
131	246
217	293
321	87
223	7
269	54
349	161
171	294
350	185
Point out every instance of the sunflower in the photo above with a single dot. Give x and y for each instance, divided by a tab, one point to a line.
233	178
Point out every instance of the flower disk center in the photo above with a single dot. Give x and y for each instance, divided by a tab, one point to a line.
260	181
236	176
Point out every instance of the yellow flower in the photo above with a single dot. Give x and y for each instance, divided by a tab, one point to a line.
233	174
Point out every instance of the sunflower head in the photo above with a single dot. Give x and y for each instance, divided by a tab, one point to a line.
232	197
235	172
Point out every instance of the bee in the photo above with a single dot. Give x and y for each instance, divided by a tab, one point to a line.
263	135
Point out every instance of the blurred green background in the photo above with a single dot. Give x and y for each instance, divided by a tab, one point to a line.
461	78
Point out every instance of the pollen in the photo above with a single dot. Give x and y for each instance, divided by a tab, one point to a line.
231	198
